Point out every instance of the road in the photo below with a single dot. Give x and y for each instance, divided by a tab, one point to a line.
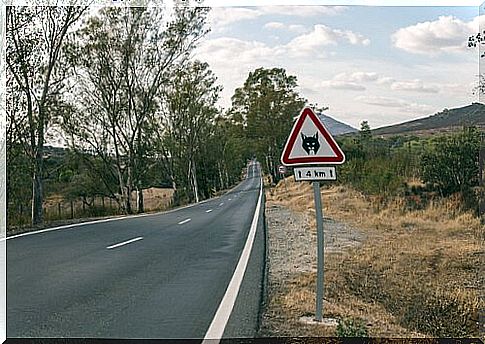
155	276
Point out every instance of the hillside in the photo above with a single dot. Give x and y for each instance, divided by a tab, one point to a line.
444	121
335	127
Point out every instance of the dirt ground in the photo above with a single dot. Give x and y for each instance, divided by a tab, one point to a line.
398	274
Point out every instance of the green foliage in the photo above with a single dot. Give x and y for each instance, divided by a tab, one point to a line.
266	106
451	164
351	327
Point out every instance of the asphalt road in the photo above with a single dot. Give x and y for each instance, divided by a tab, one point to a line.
156	276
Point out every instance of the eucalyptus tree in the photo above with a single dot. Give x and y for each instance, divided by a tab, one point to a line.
123	57
266	105
188	116
35	37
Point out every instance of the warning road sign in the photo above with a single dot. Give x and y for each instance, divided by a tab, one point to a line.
311	143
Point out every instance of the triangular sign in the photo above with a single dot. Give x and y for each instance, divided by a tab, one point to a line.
311	143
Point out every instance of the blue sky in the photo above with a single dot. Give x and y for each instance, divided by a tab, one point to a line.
381	64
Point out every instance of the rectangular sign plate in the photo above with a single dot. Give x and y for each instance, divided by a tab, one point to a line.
315	173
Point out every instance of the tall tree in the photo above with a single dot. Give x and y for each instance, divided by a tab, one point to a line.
189	116
266	106
35	37
123	61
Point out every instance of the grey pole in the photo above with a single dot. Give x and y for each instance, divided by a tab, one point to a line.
320	242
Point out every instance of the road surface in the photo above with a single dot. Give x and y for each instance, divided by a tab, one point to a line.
155	276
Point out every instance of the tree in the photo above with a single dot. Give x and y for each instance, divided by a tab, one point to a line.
266	106
452	164
190	111
35	37
123	61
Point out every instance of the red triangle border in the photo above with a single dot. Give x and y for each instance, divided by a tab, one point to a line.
339	157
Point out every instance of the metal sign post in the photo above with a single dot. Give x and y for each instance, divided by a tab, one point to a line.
320	248
310	143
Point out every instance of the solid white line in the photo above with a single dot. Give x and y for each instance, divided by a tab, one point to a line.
184	221
216	328
208	211
124	243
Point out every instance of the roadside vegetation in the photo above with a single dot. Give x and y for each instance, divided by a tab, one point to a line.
108	112
419	268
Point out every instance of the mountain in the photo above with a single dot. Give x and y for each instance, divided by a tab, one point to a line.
445	121
335	127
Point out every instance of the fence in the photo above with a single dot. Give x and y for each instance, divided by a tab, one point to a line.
56	208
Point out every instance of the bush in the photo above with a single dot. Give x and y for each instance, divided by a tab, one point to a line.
350	327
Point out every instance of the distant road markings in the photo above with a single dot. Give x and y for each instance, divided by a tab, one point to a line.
208	211
124	243
229	199
220	205
184	221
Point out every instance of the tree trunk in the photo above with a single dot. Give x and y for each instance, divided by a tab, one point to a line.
194	181
37	187
139	200
37	213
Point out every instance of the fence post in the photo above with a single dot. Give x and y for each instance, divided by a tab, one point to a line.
72	209
59	210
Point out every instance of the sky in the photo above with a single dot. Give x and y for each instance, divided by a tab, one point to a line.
385	65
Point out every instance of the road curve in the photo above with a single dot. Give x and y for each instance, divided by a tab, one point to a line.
157	276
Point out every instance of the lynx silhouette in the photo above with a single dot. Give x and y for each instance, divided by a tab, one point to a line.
310	143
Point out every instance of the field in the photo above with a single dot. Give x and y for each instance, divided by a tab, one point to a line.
417	273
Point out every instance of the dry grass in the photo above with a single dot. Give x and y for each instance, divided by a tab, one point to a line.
418	273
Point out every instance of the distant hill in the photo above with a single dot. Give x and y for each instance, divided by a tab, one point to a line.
335	127
447	120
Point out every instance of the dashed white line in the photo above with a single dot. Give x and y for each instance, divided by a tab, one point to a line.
124	243
208	211
184	221
229	199
220	205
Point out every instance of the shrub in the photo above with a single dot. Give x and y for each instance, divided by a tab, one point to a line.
351	327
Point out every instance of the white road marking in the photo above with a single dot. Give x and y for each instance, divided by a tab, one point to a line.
104	220
184	221
216	329
124	243
208	211
229	199
220	205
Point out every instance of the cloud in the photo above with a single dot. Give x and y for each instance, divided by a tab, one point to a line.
357	76
220	17
401	104
415	85
444	35
303	11
342	85
224	16
274	26
322	35
226	51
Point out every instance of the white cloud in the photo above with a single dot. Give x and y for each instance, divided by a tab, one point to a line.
414	85
220	17
402	105
274	26
322	35
357	76
280	26
303	11
446	34
224	16
342	85
226	51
